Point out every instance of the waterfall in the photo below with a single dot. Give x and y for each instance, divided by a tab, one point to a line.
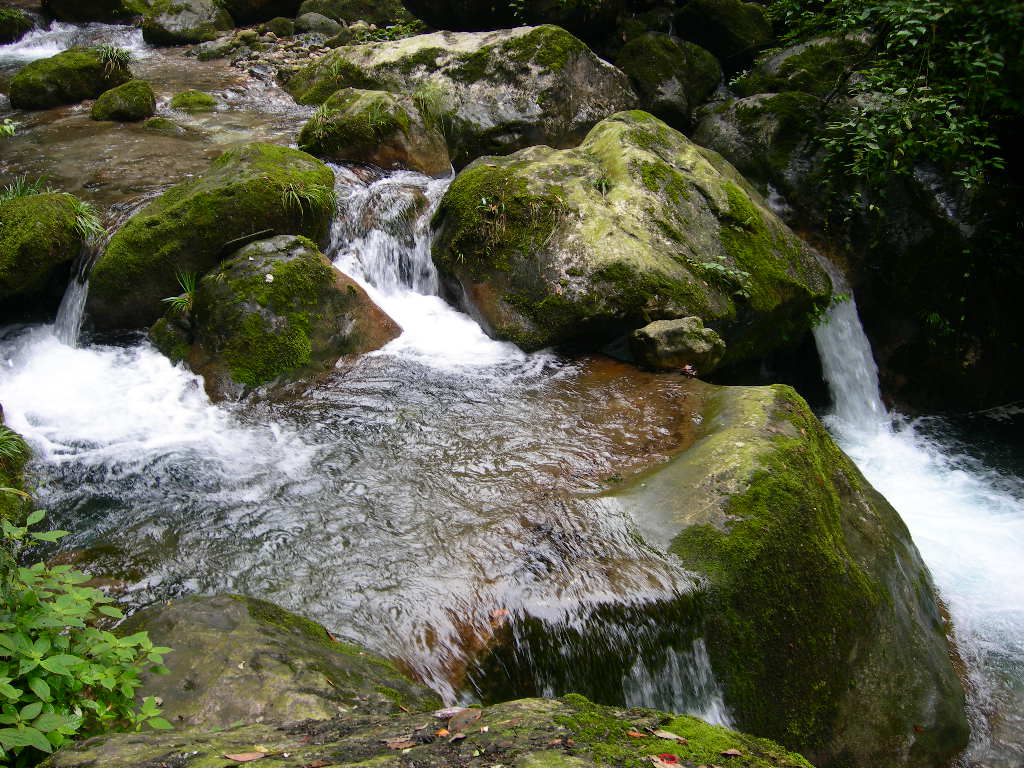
966	518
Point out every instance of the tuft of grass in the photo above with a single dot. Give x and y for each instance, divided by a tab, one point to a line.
298	196
8	127
13	448
320	121
434	105
87	221
22	187
182	304
114	59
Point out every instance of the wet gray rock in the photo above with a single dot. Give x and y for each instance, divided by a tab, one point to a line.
317	22
175	22
674	344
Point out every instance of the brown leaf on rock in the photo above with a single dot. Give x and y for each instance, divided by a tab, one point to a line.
401	742
442	732
246	757
636	735
668	735
732	753
463	718
456	737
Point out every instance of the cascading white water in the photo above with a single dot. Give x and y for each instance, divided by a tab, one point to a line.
41	43
966	519
71	312
685	682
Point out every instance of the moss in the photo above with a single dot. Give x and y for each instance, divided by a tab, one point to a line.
171	339
280	26
315	83
549	47
258	352
247	190
819	69
731	29
12	475
424	57
489	218
14	23
168	22
353	123
130	102
473	67
38	234
67	78
194	101
604	735
785	550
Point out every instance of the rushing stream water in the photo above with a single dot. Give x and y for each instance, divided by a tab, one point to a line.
439	498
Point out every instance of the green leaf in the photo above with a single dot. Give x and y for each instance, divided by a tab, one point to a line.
159	723
49	721
10	691
31	711
39	688
62	664
35	517
24	737
109	610
49	535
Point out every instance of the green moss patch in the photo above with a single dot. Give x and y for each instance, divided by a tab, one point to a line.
194	101
67	78
38	235
131	102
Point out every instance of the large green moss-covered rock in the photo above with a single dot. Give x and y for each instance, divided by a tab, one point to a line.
276	309
128	103
238	659
528	733
194	101
673	77
39	238
732	30
256	189
819	66
67	78
380	13
14	23
821	619
375	127
96	10
489	93
636	224
176	22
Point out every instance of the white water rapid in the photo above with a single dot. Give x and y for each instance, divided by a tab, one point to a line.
966	519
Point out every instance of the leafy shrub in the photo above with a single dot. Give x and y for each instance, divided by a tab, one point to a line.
8	127
61	675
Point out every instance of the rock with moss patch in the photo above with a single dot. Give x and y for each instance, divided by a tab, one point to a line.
673	77
256	189
383	13
280	26
165	127
732	30
636	224
238	659
671	345
276	310
822	622
375	127
528	733
96	10
67	78
318	24
488	93
177	22
194	101
14	23
820	66
40	236
128	103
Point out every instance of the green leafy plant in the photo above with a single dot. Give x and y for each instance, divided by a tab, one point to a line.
391	32
62	676
182	304
22	187
114	59
87	221
320	121
8	127
13	449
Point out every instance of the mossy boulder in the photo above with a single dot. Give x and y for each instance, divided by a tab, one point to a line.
254	11
767	137
819	66
382	14
164	127
375	127
319	24
276	309
671	345
177	22
636	224
128	103
673	77
527	733
733	30
238	659
39	238
821	618
256	189
67	78
194	101
14	23
488	92
96	10
280	26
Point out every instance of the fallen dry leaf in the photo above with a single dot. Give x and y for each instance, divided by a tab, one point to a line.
447	712
246	757
399	742
732	753
442	732
670	736
554	742
456	737
636	735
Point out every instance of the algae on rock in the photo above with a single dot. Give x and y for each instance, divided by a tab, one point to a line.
174	22
489	92
275	309
67	78
257	189
128	103
821	619
636	224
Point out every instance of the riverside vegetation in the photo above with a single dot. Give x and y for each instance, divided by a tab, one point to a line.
634	179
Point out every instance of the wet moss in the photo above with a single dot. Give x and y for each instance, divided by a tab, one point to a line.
549	47
67	78
130	102
194	101
14	23
315	83
38	234
12	475
820	68
353	123
787	599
